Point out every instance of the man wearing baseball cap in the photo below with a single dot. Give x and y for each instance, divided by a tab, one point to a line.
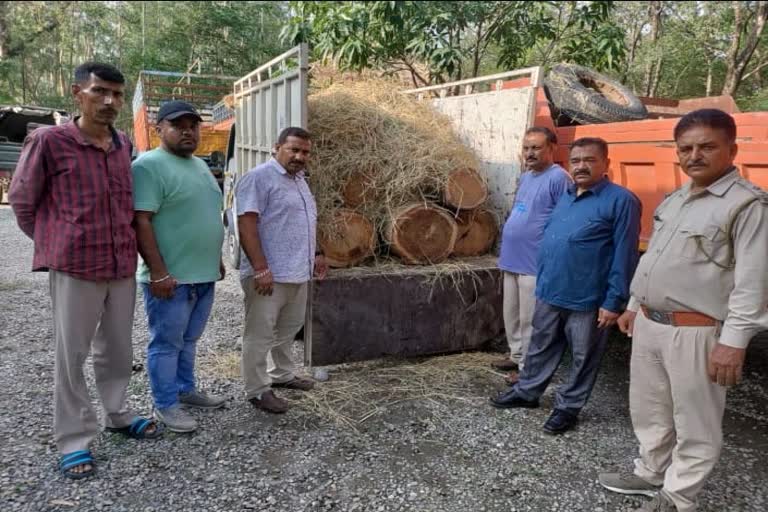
179	233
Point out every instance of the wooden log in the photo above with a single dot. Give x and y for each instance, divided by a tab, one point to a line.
359	189
421	233
465	189
347	239
478	230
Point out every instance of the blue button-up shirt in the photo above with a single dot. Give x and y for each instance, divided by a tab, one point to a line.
590	249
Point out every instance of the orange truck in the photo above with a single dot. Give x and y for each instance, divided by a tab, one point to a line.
642	153
205	92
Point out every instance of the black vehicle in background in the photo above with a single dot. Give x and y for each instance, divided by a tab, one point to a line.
16	121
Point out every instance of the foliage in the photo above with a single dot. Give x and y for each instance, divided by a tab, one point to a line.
450	39
689	53
49	39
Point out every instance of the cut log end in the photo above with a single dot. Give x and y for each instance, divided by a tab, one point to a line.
347	239
478	230
465	189
359	189
421	234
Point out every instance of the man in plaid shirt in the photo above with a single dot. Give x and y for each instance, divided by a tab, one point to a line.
72	194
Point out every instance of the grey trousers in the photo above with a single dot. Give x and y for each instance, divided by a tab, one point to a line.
554	330
271	324
98	316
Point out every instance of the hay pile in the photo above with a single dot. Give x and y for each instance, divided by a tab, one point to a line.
376	151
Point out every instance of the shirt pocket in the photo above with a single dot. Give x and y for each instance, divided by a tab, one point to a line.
591	231
706	244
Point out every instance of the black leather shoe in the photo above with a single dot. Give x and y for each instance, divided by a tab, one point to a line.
560	422
510	400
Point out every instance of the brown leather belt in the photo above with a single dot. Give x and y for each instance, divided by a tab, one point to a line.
679	318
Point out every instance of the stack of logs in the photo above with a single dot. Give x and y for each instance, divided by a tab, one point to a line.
419	233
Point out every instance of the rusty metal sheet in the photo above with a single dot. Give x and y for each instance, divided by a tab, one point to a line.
394	314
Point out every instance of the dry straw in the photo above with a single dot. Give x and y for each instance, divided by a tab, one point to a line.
403	146
362	392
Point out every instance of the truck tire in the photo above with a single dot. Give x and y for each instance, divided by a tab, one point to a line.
588	97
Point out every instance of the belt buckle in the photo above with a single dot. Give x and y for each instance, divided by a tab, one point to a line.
660	317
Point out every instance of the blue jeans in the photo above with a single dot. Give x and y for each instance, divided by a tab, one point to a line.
175	325
554	330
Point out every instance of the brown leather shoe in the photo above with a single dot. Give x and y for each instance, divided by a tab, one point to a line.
270	402
296	383
512	377
504	365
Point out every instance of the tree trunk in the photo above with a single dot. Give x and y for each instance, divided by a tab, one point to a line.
477	232
5	10
23	79
421	233
347	239
738	55
635	38
654	14
709	79
656	76
465	189
359	189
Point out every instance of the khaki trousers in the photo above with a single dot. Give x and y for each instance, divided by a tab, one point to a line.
677	412
98	316
271	324
519	303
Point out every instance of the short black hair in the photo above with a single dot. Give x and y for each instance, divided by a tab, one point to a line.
711	117
293	131
551	137
106	72
591	141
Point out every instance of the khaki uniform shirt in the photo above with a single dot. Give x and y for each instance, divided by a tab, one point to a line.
682	269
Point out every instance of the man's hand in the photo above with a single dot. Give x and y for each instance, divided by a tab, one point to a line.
264	285
163	289
626	322
321	267
222	270
606	318
725	365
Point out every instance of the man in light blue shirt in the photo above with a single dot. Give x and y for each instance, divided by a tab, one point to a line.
537	193
277	220
587	258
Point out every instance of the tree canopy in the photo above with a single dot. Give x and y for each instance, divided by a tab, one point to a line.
658	48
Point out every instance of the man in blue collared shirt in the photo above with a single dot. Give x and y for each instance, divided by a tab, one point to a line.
587	258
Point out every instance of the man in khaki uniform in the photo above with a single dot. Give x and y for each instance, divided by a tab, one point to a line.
699	295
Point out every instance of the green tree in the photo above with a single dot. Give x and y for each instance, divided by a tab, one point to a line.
441	41
42	42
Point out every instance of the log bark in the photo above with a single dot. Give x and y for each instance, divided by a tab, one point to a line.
478	230
347	239
465	189
421	233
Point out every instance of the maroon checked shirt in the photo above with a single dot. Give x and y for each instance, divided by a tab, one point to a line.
76	202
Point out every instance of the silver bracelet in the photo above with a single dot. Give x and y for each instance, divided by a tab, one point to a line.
261	274
167	276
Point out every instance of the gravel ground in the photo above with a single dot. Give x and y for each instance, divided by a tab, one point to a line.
429	455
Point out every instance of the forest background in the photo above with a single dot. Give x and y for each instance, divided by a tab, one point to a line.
658	48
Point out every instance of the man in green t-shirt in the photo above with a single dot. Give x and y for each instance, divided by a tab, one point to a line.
179	233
